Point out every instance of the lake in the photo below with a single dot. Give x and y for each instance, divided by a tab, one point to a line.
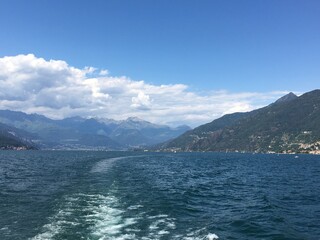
133	195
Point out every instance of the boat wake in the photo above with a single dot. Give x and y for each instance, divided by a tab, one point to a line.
105	165
107	215
104	218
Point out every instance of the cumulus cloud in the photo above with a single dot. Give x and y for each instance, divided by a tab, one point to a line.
142	101
57	90
103	72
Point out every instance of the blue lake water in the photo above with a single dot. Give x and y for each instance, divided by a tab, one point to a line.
128	195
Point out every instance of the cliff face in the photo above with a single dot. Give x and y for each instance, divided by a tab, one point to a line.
291	124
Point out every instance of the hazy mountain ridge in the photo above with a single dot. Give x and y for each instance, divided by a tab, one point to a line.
13	138
289	125
82	133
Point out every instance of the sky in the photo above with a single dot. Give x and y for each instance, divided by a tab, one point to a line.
171	62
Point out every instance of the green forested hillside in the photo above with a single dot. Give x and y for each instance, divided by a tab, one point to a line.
292	124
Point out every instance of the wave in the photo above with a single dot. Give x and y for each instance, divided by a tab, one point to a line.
103	218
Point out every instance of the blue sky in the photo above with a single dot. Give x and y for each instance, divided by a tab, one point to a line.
235	46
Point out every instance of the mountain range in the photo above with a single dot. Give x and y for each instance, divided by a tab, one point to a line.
289	125
82	133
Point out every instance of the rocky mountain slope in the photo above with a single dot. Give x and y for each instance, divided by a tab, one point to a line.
290	125
14	139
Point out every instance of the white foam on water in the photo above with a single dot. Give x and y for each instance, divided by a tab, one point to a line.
212	236
101	213
196	235
135	207
163	232
58	222
105	165
107	219
5	231
160	226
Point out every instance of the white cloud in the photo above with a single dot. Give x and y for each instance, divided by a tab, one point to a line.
57	90
103	72
142	101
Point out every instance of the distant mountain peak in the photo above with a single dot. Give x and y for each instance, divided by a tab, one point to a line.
184	126
107	120
286	98
135	119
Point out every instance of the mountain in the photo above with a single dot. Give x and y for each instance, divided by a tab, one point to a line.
132	132
137	132
12	138
47	133
289	125
286	98
82	133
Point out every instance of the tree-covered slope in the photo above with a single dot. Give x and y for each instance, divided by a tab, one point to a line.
292	124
